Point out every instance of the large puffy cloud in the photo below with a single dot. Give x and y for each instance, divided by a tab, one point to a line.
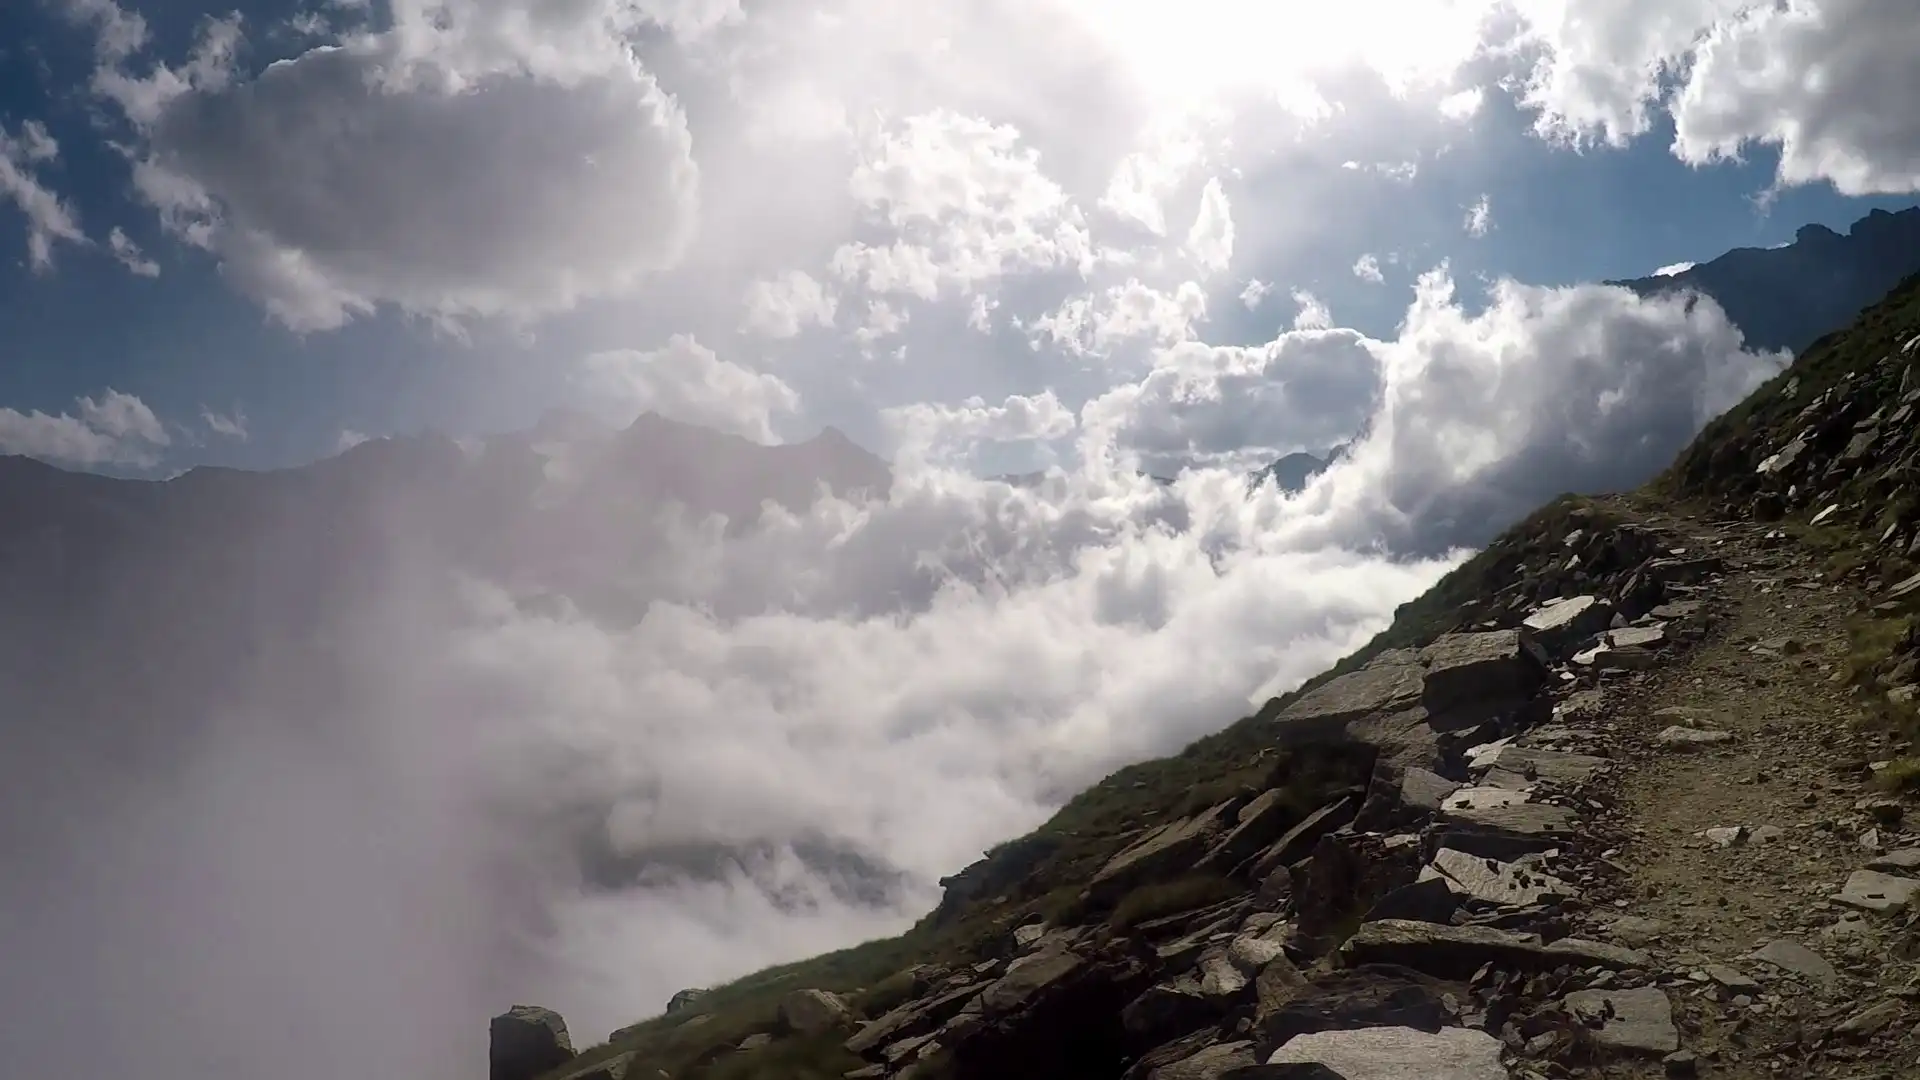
925	426
110	429
1240	406
1823	81
689	382
1484	416
472	159
966	204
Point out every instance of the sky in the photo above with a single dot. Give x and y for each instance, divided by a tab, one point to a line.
976	236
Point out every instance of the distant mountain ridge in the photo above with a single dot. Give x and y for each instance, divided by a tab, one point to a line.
1788	297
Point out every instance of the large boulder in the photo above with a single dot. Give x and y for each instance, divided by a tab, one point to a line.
527	1041
1390	682
685	999
1494	665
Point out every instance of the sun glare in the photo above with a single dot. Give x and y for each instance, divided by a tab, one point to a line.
1189	51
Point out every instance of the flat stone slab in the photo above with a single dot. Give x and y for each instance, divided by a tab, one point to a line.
1871	890
1797	959
1390	683
1632	1021
1483	798
1572	617
1426	789
1169	849
1520	819
1209	1063
1638	637
1494	882
1904	860
1553	766
1398	1053
1457	951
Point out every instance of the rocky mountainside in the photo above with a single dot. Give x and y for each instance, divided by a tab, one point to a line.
1623	796
1787	297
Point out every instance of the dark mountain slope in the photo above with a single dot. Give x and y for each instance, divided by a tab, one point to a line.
1786	297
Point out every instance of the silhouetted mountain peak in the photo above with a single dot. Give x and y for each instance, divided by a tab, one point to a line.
1787	297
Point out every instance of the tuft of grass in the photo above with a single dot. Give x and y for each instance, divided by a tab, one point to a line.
813	1057
1871	643
1154	899
1901	776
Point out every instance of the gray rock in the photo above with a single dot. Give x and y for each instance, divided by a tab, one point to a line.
1298	841
1261	822
1638	637
1553	766
760	1040
1466	668
1432	900
1636	1021
526	1041
1905	860
1732	979
1869	1021
1688	738
1167	851
1561	623
685	999
1457	951
1252	952
808	1012
1791	956
1871	890
1634	930
1211	1063
1521	819
1167	1011
1398	1053
1027	978
1424	788
1494	882
1389	683
912	1018
1220	979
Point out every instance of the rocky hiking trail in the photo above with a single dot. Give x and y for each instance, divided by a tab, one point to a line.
1623	796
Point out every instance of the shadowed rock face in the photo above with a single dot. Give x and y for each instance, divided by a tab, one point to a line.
527	1040
1787	297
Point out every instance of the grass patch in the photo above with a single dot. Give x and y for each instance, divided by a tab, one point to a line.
1152	900
1901	776
1870	644
811	1057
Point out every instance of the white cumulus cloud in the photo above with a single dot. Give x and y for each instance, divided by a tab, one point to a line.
689	382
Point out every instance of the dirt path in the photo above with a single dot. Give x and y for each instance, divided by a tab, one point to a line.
1792	779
